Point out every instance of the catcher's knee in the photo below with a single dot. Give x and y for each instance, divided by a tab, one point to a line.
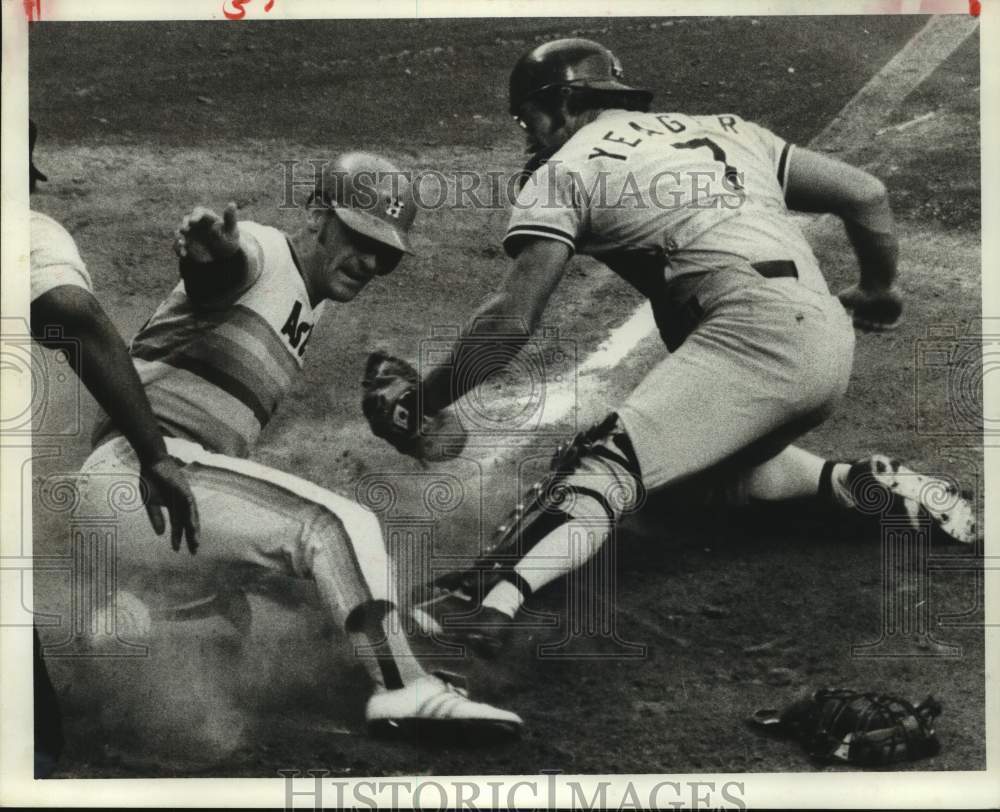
595	479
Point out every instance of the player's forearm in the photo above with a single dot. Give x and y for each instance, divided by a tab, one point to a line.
872	231
489	341
503	324
819	183
102	362
877	252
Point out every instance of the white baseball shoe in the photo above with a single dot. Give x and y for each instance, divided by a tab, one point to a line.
882	487
437	707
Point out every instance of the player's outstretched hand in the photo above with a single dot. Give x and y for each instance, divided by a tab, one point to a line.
205	237
168	488
874	310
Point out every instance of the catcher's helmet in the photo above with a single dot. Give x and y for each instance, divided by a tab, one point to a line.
567	63
371	196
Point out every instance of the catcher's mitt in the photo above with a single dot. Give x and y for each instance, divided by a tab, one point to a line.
389	404
867	729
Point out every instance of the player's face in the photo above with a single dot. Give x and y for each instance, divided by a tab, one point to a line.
542	129
351	260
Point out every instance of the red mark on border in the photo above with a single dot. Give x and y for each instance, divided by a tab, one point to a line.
33	10
238	12
975	7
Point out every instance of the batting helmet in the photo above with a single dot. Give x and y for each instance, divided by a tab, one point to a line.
371	196
568	63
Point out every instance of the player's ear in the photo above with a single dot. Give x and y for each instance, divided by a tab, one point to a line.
317	217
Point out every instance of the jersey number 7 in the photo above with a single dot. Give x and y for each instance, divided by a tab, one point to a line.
732	176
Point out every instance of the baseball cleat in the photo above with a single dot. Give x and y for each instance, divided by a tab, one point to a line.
457	618
486	634
881	486
430	614
437	707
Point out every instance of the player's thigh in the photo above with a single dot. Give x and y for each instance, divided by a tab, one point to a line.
746	382
252	517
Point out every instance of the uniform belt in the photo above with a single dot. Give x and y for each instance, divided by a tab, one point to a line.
676	320
776	269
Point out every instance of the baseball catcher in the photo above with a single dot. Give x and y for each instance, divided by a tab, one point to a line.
760	351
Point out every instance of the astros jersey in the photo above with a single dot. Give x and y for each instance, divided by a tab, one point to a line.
216	376
665	194
55	259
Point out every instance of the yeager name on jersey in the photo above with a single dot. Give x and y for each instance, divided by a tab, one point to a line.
709	183
670	124
691	192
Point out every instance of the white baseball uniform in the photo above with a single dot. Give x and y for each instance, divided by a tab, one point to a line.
213	377
55	260
690	210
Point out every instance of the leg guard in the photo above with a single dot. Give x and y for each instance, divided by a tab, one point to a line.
595	475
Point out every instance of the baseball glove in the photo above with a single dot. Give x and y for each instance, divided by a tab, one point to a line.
389	404
867	729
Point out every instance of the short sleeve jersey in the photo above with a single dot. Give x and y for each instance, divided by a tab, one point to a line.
55	260
216	375
666	193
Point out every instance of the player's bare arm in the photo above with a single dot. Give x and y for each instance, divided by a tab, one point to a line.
818	183
214	263
537	270
106	369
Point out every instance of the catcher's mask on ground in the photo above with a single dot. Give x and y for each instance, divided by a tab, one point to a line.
372	198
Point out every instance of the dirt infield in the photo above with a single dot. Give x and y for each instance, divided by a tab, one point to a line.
730	612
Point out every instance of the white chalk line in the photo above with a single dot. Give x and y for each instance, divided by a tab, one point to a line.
938	38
